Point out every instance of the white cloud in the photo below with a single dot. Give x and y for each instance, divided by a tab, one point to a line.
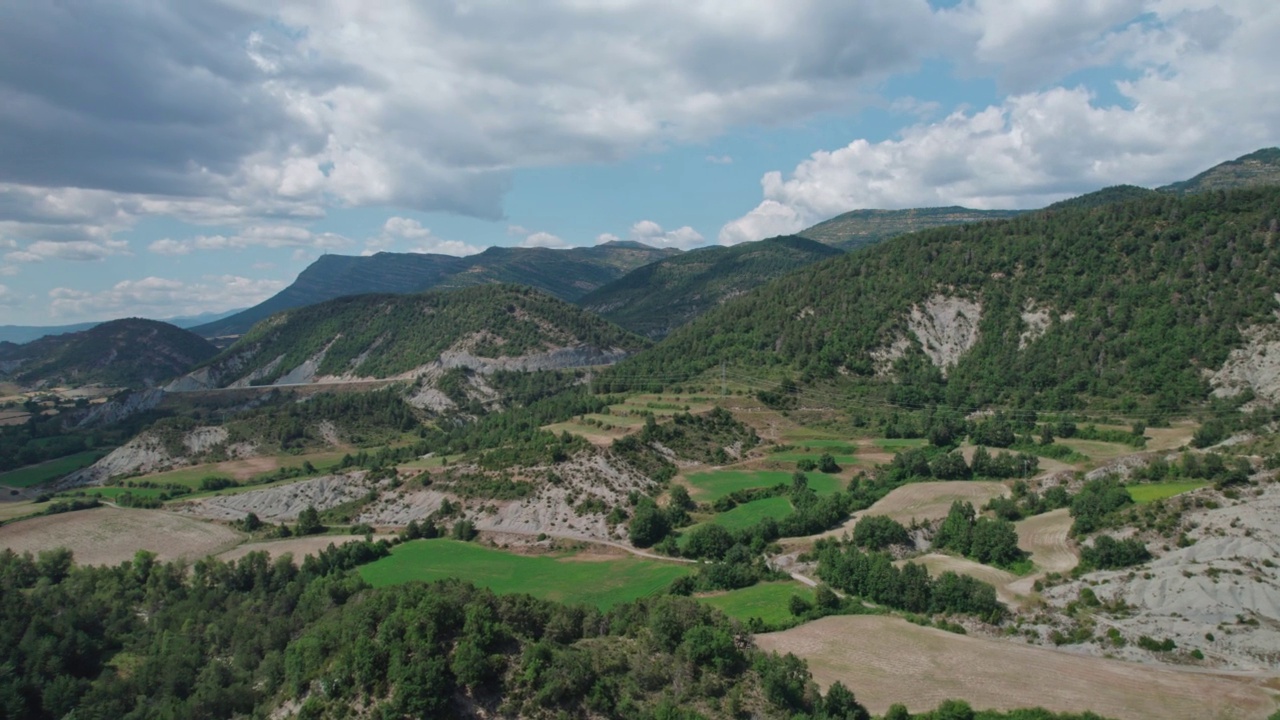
402	234
651	233
720	159
269	236
543	240
162	297
8	298
606	238
81	250
1196	102
260	112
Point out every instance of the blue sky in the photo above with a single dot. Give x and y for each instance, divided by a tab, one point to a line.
163	161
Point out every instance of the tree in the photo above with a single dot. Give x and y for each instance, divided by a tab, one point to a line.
956	531
309	522
680	498
840	704
798	605
649	524
827	464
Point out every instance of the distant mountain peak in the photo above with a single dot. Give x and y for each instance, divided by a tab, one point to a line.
1258	168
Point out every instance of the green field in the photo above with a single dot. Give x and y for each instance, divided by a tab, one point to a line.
767	601
564	578
842	459
111	493
744	516
711	486
899	443
1145	493
51	470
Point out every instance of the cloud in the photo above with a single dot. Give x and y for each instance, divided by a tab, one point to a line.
606	238
720	159
543	240
162	297
1184	112
269	236
242	112
651	233
8	298
408	235
80	250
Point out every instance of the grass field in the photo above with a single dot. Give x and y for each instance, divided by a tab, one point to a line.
894	444
597	580
711	486
767	601
888	660
51	470
111	493
1146	493
744	516
22	508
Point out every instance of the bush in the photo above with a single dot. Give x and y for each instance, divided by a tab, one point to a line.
876	532
1108	553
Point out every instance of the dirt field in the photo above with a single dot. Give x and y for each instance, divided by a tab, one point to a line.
1170	438
921	501
937	563
107	536
299	547
1045	537
886	660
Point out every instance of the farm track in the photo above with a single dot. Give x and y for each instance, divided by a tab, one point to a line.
886	660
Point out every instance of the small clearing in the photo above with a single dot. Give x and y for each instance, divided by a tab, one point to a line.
109	536
947	328
887	660
768	601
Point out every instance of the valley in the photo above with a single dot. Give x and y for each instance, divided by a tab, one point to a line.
1006	463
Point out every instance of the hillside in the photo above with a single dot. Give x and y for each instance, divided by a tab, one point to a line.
1258	168
1131	303
130	353
1105	196
380	336
860	228
660	297
566	274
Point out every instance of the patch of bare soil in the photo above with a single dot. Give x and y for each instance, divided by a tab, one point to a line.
281	503
299	548
885	660
1220	595
108	536
938	563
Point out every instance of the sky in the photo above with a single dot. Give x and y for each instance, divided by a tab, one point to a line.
161	159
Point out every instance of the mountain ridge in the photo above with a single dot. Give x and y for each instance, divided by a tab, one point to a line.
132	352
378	336
567	274
661	296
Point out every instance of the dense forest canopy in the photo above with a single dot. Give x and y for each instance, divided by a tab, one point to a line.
1139	298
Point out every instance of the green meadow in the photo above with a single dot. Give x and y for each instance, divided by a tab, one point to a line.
1150	492
570	577
51	470
767	601
713	485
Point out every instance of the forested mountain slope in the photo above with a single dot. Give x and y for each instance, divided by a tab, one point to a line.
131	352
860	228
1257	169
661	296
567	274
380	336
1132	302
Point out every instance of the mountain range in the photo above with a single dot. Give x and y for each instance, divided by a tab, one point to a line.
363	337
131	353
661	296
567	274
